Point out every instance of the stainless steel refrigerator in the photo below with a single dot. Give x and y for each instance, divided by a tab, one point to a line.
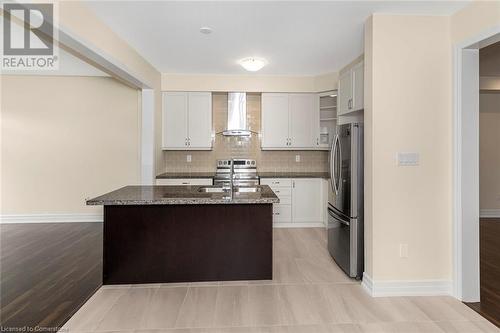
345	199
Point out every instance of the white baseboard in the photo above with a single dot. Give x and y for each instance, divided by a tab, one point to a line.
406	288
298	225
489	213
50	218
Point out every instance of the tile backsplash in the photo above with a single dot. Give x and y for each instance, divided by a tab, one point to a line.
243	147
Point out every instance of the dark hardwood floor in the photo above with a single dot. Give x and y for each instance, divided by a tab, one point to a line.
47	272
489	248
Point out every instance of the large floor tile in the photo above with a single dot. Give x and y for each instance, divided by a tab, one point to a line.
468	327
163	309
232	307
128	311
263	305
303	304
198	309
400	327
94	310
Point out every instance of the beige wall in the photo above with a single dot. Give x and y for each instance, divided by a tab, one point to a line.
478	17
489	154
79	20
235	147
65	139
409	80
249	83
368	146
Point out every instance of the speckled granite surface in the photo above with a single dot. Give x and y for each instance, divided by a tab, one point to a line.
294	174
173	175
180	195
277	174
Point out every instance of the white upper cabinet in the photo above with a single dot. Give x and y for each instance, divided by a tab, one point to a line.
345	92
187	121
174	120
304	124
358	86
274	120
351	89
290	121
200	120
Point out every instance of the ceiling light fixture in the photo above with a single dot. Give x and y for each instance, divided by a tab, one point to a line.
252	64
206	30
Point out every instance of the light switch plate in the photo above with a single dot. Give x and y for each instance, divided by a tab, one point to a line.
297	158
188	158
408	159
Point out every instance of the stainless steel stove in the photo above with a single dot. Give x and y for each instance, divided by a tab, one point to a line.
244	174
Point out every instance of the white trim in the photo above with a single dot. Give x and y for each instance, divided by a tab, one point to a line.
406	287
489	213
298	225
480	40
147	137
50	218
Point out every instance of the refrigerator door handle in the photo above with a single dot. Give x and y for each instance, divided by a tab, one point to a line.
332	210
340	165
334	176
338	218
332	165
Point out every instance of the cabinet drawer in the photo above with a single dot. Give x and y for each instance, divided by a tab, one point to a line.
276	182
282	213
184	181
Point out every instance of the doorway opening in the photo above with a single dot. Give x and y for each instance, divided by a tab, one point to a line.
477	165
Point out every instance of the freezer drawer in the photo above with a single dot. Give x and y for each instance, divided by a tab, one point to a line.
339	244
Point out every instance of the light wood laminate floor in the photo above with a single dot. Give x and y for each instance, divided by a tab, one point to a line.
309	293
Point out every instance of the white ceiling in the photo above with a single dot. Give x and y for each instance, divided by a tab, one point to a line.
297	38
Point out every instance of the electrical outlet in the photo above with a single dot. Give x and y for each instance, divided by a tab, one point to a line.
297	158
403	250
188	158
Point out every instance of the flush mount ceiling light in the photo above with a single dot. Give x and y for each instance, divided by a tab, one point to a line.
206	30
252	64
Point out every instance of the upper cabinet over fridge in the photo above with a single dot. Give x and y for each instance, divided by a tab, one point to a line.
351	86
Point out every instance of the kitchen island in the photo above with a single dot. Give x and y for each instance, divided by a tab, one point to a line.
161	234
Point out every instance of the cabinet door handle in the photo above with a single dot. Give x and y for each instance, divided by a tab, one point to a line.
293	184
317	141
185	183
186	142
276	213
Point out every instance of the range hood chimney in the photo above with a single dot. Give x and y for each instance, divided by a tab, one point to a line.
236	115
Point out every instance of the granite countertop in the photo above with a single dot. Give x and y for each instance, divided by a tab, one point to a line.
294	174
170	175
272	174
180	195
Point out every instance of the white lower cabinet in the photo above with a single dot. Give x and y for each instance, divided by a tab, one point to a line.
184	181
301	201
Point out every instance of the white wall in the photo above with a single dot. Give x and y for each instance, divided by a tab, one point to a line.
65	139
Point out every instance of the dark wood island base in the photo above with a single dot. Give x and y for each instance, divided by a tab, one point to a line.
187	243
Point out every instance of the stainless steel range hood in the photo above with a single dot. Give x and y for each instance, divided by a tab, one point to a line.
236	115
